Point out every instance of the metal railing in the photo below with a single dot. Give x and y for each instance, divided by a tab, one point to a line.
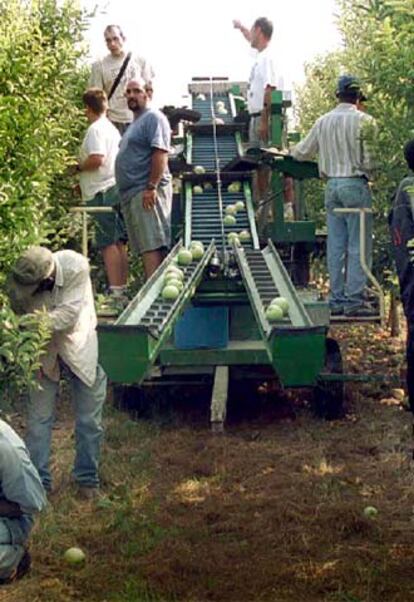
363	212
84	210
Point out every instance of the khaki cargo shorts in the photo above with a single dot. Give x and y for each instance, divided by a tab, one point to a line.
149	230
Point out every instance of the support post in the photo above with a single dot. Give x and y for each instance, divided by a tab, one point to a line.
219	399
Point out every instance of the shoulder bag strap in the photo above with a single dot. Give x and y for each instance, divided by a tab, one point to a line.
119	76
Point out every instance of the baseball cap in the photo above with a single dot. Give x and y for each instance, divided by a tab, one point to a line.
33	266
347	84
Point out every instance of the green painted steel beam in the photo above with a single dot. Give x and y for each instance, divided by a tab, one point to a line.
298	355
290	232
246	353
276	123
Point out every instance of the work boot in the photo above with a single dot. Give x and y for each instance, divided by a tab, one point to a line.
336	310
20	571
364	310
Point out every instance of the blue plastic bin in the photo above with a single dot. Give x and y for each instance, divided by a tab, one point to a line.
202	328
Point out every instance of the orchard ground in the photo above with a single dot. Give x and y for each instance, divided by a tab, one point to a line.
273	511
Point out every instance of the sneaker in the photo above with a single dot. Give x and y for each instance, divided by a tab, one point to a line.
110	306
336	310
365	310
22	569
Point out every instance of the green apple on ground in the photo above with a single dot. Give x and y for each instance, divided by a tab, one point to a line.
370	511
199	169
229	220
208	186
274	313
184	257
170	292
239	205
74	556
282	302
198	190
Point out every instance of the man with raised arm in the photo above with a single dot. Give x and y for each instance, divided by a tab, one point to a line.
262	81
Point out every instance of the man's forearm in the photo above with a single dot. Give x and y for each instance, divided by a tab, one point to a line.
159	161
91	163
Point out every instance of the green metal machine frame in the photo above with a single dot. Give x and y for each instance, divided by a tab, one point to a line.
140	344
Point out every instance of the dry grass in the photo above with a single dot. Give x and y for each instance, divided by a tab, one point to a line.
270	512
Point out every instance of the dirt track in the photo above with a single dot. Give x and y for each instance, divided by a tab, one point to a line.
272	511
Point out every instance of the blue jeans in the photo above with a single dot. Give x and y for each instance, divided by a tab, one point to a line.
88	403
347	278
11	552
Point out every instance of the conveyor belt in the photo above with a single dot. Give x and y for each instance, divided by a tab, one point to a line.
265	278
204	107
203	151
206	219
149	311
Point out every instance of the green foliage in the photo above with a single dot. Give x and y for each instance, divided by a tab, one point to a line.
41	80
378	38
40	84
22	340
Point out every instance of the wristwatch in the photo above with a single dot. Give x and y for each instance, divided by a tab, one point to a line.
151	186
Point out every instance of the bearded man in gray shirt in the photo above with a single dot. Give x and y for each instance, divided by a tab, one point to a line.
144	180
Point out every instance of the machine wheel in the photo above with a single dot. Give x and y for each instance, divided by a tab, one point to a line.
328	396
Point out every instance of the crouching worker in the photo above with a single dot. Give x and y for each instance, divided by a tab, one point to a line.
21	496
59	285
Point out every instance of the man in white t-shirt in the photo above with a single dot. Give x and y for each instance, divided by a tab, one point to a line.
262	81
96	169
105	71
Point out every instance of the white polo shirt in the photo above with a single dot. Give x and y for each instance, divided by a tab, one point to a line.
262	75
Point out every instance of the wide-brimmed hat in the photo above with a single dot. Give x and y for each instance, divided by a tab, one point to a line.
33	266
